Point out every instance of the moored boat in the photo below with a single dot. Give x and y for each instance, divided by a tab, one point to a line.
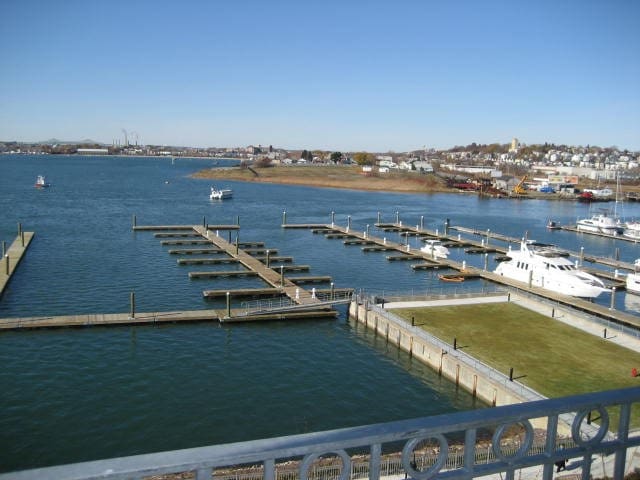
632	230
435	248
633	279
220	194
41	182
600	223
451	278
543	265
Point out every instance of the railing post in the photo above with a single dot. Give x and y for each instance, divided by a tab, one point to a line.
613	298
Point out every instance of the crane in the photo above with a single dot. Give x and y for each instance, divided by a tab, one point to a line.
519	188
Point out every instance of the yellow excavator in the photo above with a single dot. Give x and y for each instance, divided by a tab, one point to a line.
520	189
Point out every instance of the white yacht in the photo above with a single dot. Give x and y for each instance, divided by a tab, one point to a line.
220	194
545	266
633	279
632	230
600	223
435	248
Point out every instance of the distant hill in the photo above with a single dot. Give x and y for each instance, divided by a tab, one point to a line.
53	141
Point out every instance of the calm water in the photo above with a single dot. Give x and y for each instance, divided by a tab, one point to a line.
72	395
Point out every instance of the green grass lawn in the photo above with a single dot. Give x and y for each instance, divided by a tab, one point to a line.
546	355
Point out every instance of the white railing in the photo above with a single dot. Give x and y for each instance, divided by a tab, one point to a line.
314	451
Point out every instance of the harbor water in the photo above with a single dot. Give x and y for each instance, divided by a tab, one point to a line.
81	394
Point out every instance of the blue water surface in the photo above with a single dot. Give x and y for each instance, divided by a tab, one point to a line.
80	394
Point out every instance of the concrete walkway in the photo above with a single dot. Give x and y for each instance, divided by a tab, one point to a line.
562	314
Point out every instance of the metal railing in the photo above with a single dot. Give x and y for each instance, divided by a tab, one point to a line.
286	304
310	452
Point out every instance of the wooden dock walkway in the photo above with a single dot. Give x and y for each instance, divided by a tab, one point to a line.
269	275
404	249
152	318
12	256
581	256
303	304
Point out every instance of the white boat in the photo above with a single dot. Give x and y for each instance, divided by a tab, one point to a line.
600	193
41	182
632	230
600	223
220	194
435	249
633	279
545	266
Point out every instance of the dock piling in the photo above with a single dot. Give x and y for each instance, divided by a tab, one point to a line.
397	217
132	302
228	304
511	374
22	238
421	222
486	262
378	217
282	275
4	248
134	221
6	264
333	218
268	260
19	228
348	222
284	217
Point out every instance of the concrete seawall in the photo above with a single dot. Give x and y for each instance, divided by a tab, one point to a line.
490	386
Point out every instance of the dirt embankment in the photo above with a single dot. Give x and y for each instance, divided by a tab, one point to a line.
350	177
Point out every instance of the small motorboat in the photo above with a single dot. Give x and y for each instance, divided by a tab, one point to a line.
435	248
41	182
553	225
455	278
220	194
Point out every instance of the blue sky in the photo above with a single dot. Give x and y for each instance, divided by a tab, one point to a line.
336	75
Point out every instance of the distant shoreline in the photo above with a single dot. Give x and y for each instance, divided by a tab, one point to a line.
351	178
343	177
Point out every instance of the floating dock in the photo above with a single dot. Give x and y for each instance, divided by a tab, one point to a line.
301	304
577	303
11	257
